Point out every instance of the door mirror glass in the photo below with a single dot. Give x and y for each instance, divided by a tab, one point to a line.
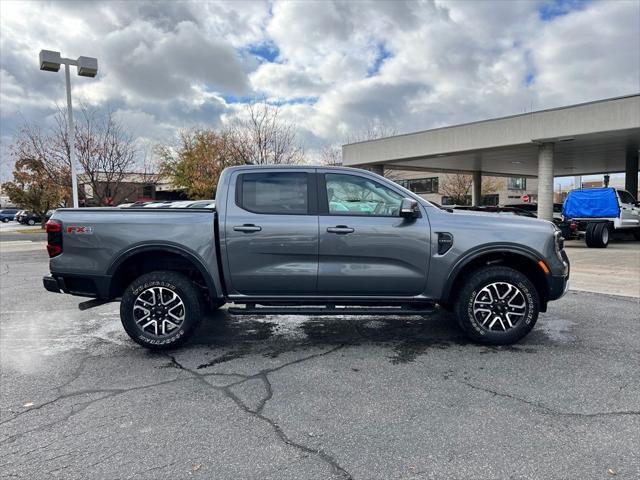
409	208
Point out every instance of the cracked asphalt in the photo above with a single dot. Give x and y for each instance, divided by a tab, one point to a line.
288	397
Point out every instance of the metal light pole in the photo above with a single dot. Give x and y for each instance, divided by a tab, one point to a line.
87	67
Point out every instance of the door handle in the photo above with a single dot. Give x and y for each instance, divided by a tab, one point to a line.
340	229
247	228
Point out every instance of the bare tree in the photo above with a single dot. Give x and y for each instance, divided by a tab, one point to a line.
373	130
331	154
456	186
105	151
263	137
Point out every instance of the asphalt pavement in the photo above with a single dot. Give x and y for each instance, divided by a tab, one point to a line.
289	397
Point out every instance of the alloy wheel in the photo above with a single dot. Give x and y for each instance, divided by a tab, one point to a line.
499	306
158	311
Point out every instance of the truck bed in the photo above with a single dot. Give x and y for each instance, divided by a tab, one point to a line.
96	240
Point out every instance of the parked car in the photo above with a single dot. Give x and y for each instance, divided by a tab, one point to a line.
8	214
533	208
28	218
595	213
497	209
307	240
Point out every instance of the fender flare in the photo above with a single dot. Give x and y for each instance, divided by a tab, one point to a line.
514	248
167	247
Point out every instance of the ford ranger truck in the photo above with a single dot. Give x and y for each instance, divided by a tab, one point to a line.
309	241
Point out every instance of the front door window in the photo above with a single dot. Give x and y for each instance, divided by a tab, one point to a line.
358	196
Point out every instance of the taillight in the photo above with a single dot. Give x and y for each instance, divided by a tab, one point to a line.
54	237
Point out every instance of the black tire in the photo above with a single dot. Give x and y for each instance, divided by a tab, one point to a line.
482	326
31	222
161	334
589	234
600	234
5	220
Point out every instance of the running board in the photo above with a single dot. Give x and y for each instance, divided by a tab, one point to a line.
347	310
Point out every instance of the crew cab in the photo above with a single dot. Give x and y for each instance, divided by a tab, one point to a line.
310	241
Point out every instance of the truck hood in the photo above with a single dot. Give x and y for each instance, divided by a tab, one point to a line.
500	219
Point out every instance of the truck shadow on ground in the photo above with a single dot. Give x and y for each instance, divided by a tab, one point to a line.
270	336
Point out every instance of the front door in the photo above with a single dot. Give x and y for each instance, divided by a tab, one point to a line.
366	248
271	233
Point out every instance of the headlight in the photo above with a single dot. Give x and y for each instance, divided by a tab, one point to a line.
559	241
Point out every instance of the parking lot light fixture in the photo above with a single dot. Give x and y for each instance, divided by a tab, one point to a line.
50	61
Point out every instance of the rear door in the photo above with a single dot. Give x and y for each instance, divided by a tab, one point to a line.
366	248
271	232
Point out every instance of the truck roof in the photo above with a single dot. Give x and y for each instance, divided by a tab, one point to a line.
287	167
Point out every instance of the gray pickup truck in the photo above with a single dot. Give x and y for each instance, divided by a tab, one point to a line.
310	241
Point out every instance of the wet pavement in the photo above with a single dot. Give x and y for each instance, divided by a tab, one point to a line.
315	398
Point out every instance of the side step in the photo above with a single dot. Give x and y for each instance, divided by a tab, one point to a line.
251	309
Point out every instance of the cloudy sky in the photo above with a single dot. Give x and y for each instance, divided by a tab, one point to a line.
333	66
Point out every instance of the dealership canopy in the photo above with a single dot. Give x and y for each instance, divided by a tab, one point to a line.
589	138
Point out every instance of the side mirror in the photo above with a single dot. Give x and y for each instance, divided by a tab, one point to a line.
409	208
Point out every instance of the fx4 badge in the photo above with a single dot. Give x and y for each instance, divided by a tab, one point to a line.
80	230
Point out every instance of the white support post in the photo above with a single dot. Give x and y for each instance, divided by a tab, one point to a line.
545	181
476	189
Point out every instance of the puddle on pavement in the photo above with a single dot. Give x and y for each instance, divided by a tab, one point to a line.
271	336
233	337
558	330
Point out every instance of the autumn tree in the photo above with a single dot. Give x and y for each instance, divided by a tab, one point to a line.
261	137
41	175
33	188
196	163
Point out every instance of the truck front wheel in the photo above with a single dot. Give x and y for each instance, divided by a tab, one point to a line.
497	305
160	309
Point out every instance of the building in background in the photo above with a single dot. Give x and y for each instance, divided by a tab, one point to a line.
133	187
497	190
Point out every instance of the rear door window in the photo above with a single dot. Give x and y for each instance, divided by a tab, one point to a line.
275	193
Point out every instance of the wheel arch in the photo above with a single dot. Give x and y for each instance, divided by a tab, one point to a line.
520	258
148	257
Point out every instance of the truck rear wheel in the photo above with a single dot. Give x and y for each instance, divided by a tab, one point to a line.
497	305
160	309
597	235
